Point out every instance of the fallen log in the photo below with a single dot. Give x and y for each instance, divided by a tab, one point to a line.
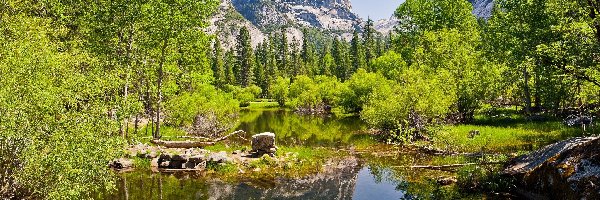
447	167
182	144
192	144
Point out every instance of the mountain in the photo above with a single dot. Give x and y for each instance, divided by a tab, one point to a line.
385	26
482	8
262	17
330	17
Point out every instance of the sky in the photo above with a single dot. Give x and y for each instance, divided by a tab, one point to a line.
376	9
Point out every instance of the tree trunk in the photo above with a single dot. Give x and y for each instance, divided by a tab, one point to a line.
159	87
527	92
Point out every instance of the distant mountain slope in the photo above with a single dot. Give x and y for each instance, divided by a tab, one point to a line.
332	17
482	8
262	17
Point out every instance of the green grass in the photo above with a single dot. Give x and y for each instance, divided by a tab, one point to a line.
263	104
506	132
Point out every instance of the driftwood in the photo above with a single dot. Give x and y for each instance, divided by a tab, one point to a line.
447	167
193	144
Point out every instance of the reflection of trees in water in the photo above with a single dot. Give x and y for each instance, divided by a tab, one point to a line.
335	183
294	129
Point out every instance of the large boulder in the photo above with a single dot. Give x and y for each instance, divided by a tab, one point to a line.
568	169
264	143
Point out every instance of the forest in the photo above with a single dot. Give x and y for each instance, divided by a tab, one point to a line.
79	80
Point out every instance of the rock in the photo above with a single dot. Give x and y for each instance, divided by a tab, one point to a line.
446	181
263	143
197	159
121	163
474	133
576	120
237	152
568	169
220	157
154	163
164	164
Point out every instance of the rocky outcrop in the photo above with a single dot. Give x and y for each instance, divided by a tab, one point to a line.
263	143
482	8
565	170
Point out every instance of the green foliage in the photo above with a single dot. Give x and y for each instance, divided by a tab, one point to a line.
280	90
56	108
244	95
206	100
418	100
359	88
389	64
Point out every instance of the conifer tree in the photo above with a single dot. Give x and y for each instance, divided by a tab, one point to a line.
356	54
369	42
230	68
244	58
218	64
308	54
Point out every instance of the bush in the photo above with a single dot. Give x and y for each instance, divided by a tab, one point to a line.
244	95
359	87
280	90
405	110
206	111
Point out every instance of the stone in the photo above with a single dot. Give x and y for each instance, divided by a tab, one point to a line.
220	157
154	163
446	181
121	163
197	159
474	133
263	143
164	164
568	169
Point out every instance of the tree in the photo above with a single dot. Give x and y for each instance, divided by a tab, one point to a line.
230	72
244	55
327	62
218	64
341	59
369	43
280	90
308	53
356	53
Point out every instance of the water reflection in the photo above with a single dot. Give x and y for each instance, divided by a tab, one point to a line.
369	186
351	182
292	129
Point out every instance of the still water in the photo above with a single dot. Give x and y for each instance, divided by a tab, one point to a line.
364	176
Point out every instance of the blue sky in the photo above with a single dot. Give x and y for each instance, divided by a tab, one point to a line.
376	9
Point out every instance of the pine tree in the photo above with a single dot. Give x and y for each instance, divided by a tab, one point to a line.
244	58
340	57
284	58
217	64
308	54
271	66
369	42
296	65
259	68
326	62
356	54
230	68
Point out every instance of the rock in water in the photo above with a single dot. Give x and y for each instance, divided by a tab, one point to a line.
264	143
568	169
